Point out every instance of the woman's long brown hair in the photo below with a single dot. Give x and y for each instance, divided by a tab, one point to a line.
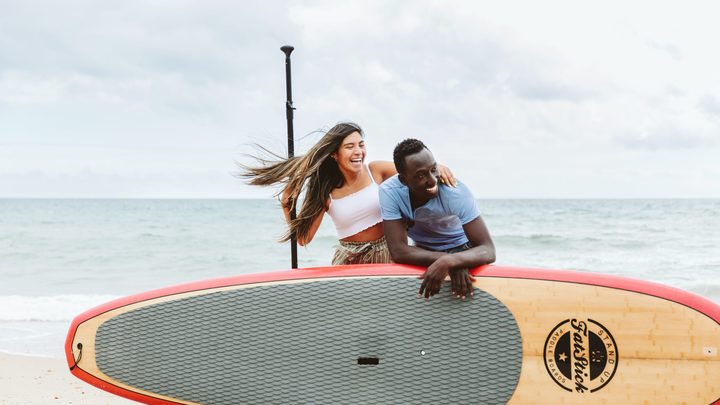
316	172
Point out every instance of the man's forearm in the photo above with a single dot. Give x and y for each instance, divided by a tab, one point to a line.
473	257
415	256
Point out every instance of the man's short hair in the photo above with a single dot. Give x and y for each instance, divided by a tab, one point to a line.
406	148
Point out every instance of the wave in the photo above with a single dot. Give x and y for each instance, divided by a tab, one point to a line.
48	308
710	290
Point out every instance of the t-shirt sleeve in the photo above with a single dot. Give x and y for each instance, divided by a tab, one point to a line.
388	205
464	204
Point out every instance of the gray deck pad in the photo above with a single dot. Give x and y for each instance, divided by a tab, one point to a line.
303	342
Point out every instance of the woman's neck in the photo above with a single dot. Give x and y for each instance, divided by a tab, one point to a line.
351	177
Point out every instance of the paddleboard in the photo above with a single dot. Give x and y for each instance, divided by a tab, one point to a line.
360	334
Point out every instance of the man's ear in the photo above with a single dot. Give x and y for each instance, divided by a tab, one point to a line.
401	177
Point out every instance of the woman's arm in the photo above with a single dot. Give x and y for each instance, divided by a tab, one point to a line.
313	229
286	203
382	170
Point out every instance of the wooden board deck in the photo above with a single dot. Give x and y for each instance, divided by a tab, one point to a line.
581	337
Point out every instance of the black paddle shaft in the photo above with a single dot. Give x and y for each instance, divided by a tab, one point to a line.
287	49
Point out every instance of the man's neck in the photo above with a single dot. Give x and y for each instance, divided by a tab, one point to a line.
416	201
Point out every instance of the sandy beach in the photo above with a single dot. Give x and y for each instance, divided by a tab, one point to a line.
26	380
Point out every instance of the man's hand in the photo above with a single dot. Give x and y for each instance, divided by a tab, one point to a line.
435	275
462	283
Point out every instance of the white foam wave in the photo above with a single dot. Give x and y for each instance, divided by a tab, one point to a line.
48	308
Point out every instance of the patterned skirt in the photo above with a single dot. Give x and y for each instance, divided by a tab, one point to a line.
375	251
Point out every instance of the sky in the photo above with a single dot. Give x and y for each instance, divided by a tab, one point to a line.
159	98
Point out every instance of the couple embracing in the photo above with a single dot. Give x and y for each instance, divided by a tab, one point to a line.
376	206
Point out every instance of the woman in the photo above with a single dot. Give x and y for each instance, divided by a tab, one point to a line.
337	181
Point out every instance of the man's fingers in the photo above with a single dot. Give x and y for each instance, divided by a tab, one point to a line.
436	288
424	286
431	289
428	290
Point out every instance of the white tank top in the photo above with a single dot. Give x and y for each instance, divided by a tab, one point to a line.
356	212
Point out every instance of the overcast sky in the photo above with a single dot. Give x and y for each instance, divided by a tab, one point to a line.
529	99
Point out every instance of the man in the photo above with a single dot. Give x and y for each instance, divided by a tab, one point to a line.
444	222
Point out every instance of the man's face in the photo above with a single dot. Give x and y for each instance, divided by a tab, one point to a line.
421	174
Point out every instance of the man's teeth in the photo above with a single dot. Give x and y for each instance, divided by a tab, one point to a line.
432	189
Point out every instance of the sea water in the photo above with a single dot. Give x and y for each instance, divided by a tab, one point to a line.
59	258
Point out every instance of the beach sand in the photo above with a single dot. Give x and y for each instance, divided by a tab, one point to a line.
28	380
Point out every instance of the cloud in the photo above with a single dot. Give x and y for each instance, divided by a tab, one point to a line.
154	56
129	38
672	50
135	77
17	87
710	105
665	138
547	90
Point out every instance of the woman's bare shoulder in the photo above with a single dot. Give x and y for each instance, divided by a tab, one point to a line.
382	170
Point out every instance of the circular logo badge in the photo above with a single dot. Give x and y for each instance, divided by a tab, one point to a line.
580	355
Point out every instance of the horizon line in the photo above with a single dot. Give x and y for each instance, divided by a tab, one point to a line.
273	198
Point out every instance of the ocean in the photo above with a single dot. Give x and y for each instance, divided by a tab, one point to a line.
59	258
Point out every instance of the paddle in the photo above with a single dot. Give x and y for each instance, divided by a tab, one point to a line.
287	49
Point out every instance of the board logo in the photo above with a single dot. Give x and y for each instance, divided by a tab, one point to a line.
580	355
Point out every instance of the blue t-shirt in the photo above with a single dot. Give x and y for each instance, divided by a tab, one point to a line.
437	225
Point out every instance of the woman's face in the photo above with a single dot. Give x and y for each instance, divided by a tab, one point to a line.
351	153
